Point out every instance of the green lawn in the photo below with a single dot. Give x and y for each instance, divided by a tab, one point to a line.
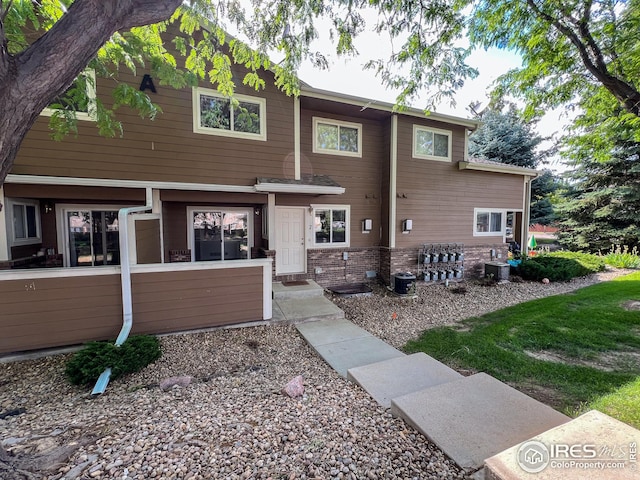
623	404
565	350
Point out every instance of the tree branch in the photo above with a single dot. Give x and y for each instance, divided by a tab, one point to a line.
623	91
61	53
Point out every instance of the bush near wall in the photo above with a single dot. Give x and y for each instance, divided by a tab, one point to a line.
133	355
560	266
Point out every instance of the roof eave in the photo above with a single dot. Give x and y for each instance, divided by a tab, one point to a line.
306	91
297	188
509	169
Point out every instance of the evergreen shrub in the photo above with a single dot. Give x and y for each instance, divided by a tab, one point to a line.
133	355
560	266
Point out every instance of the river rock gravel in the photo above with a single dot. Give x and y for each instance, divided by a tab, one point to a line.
232	421
398	319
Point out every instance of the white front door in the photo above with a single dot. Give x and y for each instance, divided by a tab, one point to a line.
290	251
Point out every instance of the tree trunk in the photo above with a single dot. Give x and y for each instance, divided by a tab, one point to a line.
32	78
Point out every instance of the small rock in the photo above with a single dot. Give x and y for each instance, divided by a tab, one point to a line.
545	281
294	388
169	383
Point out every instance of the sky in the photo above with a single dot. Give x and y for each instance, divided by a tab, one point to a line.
347	75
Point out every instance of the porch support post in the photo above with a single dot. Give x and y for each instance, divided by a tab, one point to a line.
4	241
271	220
296	138
267	305
393	174
157	209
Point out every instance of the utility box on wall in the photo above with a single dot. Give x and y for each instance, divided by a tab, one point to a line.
497	270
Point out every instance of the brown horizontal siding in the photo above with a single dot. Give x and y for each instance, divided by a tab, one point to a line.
360	176
172	301
440	198
50	312
165	149
148	241
75	193
53	312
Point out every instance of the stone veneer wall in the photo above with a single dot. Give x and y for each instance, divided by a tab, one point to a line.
334	270
399	260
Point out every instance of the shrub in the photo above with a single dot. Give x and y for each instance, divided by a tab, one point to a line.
561	266
621	257
133	355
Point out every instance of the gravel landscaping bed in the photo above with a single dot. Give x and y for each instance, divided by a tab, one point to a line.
397	320
232	421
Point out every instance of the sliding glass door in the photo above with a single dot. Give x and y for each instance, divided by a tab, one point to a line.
220	234
93	237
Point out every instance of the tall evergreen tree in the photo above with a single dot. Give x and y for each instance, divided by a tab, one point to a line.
602	207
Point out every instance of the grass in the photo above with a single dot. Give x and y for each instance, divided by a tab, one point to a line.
623	404
555	349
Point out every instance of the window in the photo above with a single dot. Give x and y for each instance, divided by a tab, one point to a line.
331	226
92	237
489	222
219	234
337	138
80	98
242	116
24	218
431	143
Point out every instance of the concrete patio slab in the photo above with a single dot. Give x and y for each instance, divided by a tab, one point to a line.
342	356
475	417
330	331
401	376
284	291
308	309
612	440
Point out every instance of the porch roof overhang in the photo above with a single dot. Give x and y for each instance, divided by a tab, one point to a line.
496	167
309	184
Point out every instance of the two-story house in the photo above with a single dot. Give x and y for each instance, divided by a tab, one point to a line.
186	220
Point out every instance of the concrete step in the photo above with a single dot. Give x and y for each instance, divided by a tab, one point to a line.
344	345
612	440
475	417
284	292
307	309
400	376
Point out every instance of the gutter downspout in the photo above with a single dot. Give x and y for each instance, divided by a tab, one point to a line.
526	216
125	282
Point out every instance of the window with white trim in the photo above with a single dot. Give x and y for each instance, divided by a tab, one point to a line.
331	225
336	137
431	143
241	116
489	222
78	99
220	233
23	222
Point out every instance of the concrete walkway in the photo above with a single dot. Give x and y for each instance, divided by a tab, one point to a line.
468	418
303	302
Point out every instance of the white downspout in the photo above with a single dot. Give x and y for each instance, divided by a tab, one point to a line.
526	216
125	282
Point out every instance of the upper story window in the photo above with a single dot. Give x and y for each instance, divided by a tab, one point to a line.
431	143
331	225
23	222
241	116
337	138
489	222
80	98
